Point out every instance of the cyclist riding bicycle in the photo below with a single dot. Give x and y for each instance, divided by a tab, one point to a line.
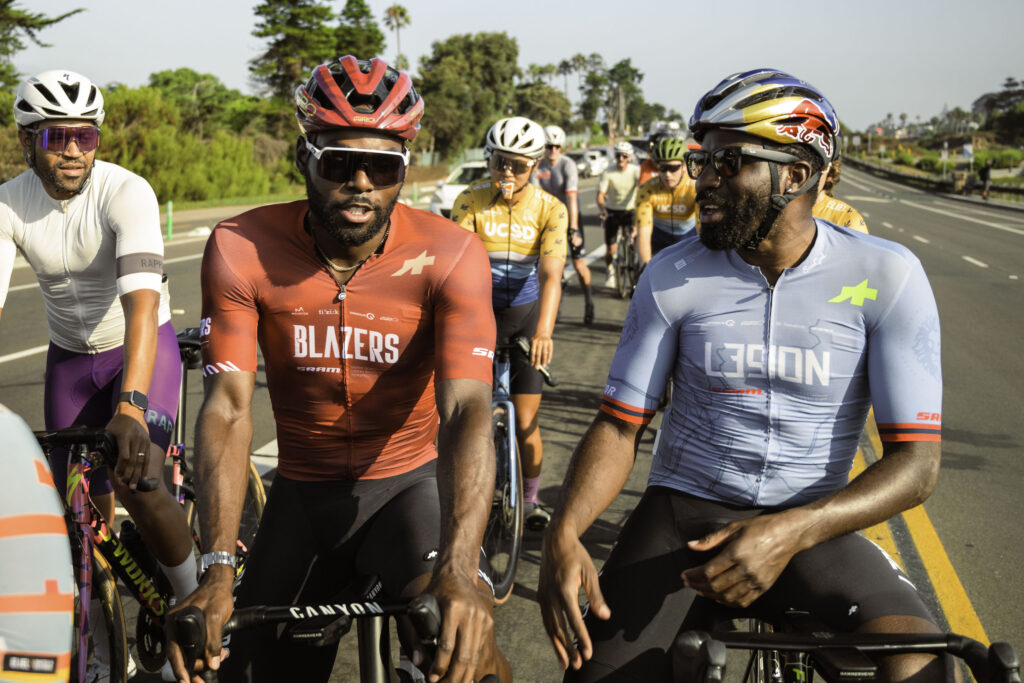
375	325
779	332
835	210
616	199
524	230
36	583
557	175
666	205
91	232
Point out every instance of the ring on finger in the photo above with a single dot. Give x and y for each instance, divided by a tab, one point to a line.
142	455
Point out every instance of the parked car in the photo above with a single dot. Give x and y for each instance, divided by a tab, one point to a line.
579	157
457	181
598	162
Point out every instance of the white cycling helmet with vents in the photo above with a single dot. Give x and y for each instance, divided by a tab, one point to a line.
516	135
624	148
555	135
57	95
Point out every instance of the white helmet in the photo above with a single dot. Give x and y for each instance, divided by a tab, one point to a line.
516	135
624	148
555	135
57	95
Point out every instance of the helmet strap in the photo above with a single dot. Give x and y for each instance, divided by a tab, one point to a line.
779	201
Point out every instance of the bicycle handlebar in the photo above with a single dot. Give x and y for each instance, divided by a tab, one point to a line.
187	626
523	344
95	440
700	656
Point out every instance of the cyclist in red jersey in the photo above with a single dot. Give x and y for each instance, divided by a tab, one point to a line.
375	324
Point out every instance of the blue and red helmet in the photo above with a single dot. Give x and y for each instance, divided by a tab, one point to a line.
355	93
770	104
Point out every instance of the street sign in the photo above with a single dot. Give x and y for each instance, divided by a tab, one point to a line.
856	141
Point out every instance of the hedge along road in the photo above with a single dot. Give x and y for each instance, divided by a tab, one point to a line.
968	544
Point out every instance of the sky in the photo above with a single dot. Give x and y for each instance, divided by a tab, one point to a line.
869	57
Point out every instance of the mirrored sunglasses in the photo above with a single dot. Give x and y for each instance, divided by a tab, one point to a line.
340	164
57	138
501	163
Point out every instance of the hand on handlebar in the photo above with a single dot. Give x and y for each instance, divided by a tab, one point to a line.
466	637
541	351
213	598
135	455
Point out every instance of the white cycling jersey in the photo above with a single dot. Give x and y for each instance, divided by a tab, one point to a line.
772	384
86	252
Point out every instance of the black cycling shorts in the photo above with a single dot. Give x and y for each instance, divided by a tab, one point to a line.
520	321
317	536
614	221
844	583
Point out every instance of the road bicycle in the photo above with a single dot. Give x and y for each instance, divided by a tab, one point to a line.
325	624
626	262
503	535
800	647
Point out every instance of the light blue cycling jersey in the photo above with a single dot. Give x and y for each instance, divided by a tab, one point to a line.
772	385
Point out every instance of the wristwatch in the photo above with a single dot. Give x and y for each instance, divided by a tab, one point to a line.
136	398
207	560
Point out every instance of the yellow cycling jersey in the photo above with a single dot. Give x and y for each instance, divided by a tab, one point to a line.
673	212
839	212
516	236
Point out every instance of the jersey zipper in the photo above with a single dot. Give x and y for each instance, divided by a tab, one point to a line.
72	284
769	362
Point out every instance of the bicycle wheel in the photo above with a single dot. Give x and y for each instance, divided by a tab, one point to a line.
623	276
104	588
503	536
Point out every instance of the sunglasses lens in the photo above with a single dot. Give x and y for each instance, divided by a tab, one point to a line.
382	170
695	162
728	161
669	168
501	164
57	138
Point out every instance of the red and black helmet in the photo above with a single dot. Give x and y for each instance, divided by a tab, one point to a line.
357	93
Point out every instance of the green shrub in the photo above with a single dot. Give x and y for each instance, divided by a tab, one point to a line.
930	164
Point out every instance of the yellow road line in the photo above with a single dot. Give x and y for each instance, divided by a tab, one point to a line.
950	591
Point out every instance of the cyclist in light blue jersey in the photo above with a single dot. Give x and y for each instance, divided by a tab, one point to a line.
778	332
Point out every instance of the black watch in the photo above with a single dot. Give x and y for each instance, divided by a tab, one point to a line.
136	398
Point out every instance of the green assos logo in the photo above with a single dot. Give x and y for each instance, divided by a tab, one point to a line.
855	295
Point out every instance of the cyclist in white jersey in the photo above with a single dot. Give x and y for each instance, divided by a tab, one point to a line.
91	232
778	332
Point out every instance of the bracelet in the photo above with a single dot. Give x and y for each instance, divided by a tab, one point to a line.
217	557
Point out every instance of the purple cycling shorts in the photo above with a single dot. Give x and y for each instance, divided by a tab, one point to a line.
82	390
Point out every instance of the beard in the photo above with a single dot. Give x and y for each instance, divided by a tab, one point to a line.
743	217
74	185
329	214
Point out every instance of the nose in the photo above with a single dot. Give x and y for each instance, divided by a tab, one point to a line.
360	181
706	180
72	149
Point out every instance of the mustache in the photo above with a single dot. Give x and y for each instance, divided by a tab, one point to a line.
708	196
361	202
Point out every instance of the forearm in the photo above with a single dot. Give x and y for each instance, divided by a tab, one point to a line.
140	333
903	478
222	470
550	275
465	478
597	472
573	205
601	197
643	242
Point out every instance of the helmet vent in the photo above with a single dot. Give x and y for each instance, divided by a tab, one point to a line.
24	106
45	92
93	92
71	90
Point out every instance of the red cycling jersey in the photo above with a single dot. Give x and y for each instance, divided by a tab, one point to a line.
351	382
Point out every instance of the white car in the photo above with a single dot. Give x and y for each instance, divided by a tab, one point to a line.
457	181
598	162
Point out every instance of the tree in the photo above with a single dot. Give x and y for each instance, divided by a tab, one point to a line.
13	23
358	33
542	103
467	83
300	39
201	98
396	18
564	69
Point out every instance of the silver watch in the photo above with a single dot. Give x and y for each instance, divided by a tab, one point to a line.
217	557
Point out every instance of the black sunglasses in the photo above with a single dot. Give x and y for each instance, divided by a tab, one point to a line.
670	168
501	163
339	164
728	160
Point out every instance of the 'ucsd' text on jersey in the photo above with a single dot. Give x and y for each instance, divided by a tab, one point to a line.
351	381
772	385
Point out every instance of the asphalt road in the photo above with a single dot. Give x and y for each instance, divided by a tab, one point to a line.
974	256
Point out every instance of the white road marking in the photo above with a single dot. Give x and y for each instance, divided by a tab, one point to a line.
1014	277
177	259
886	224
961	216
23	354
922	239
866	198
980	264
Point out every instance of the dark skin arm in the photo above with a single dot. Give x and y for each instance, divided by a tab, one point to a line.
128	425
223	438
597	473
753	552
465	467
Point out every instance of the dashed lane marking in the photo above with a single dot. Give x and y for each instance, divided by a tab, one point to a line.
980	264
923	240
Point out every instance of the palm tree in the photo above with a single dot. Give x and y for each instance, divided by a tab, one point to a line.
396	17
564	69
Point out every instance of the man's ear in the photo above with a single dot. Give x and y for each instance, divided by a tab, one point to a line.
25	138
799	173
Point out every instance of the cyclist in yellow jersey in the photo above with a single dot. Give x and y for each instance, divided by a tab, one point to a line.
666	205
524	230
836	210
